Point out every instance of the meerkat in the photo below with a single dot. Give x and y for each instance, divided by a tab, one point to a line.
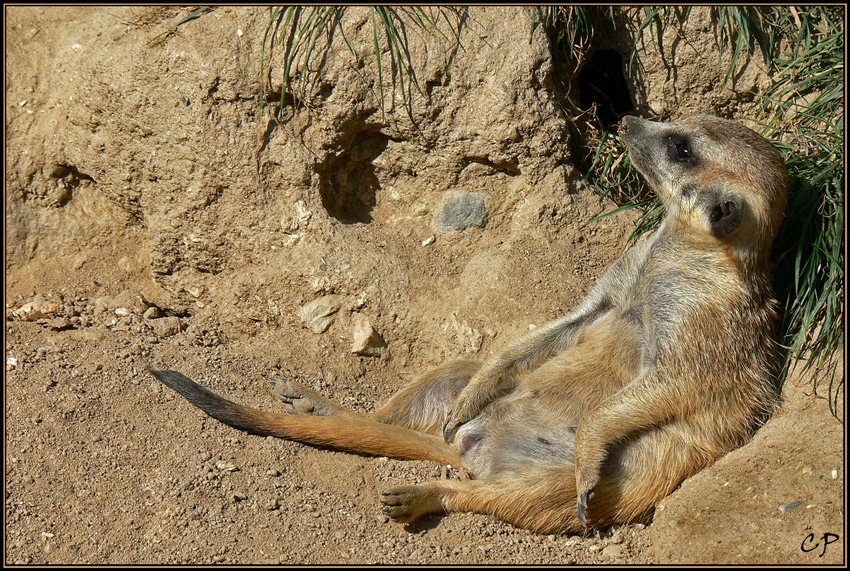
591	420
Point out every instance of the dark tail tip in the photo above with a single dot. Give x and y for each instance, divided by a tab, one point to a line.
217	407
189	389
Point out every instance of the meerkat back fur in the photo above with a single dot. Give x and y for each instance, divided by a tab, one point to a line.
590	420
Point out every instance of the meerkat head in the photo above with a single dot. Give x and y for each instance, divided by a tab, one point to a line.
721	179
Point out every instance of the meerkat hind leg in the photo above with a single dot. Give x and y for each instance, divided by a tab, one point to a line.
542	499
423	404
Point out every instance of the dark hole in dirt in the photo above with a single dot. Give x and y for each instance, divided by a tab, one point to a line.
601	82
348	181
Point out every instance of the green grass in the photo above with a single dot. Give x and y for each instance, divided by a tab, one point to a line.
804	111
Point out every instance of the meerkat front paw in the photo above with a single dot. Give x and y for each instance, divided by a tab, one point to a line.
589	453
454	420
589	458
461	412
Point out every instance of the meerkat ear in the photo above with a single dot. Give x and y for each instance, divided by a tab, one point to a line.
725	214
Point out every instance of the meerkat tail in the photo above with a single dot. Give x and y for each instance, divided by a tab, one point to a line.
349	435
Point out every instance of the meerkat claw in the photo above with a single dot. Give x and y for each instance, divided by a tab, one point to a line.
450	429
583	500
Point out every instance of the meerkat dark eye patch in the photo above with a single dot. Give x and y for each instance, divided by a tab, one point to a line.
679	149
725	216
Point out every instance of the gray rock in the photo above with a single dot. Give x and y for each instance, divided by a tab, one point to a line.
461	211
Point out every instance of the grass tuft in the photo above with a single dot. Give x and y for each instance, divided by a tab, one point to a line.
297	30
804	111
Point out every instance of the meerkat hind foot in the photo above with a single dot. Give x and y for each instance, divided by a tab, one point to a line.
408	503
299	399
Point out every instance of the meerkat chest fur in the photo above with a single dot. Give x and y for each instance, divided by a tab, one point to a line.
674	292
701	283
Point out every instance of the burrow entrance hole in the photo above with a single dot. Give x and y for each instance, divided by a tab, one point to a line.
601	82
348	182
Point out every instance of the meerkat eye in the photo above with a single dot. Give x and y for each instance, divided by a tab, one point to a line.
679	149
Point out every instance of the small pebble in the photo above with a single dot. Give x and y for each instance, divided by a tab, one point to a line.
225	466
152	312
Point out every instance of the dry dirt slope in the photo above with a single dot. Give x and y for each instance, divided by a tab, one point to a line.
104	197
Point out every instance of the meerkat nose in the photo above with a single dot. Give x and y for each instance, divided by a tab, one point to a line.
623	128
